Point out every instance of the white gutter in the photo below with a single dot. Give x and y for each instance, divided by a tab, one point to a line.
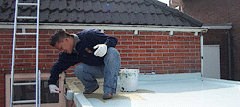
103	27
218	26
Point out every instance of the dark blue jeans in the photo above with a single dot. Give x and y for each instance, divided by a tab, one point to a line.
88	74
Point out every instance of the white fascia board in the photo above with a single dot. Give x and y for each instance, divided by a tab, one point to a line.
105	27
218	27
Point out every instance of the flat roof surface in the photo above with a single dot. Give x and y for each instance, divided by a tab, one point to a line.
173	90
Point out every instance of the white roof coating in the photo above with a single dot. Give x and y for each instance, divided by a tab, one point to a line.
177	90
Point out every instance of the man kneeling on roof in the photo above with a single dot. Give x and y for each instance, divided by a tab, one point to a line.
98	55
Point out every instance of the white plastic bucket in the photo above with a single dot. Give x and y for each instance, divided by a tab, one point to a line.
128	79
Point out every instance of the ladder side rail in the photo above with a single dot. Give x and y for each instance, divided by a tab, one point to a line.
39	89
13	52
37	52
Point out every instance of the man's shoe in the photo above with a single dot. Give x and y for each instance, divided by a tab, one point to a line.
107	96
90	92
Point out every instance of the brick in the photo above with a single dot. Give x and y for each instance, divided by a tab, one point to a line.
151	58
108	32
121	47
177	43
157	33
120	32
162	58
7	56
133	39
130	32
157	54
162	43
126	43
145	54
150	50
168	54
145	62
157	62
8	31
128	59
178	50
5	43
188	34
145	33
133	55
168	46
7	47
151	43
139	37
126	37
133	62
167	61
195	50
139	50
157	46
123	55
139	59
126	51
162	50
177	33
139	43
145	46
4	52
166	33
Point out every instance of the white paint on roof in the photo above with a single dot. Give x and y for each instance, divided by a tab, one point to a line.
180	90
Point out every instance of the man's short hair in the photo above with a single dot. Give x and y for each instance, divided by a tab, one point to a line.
58	36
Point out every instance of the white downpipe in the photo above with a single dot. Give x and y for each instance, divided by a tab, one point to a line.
201	40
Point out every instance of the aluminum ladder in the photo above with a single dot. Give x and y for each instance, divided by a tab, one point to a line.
37	82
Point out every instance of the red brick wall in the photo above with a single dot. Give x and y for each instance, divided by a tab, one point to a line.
219	12
148	51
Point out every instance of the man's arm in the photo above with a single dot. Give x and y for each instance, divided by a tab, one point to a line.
62	64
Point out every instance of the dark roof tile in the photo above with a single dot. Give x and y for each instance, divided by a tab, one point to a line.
149	18
107	17
44	4
44	16
163	19
79	5
141	19
171	20
99	18
125	18
96	6
89	17
136	12
54	4
62	5
62	16
87	5
135	8
80	17
71	5
133	18
116	18
72	16
53	17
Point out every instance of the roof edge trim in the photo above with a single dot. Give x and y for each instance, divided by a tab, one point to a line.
105	27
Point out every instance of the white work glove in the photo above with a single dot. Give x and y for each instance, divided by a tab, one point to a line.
101	50
53	89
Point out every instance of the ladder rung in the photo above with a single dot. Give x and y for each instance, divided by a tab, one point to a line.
28	4
26	17
25	48
24	101
33	83
26	33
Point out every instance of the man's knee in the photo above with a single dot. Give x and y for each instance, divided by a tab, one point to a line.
78	69
112	53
